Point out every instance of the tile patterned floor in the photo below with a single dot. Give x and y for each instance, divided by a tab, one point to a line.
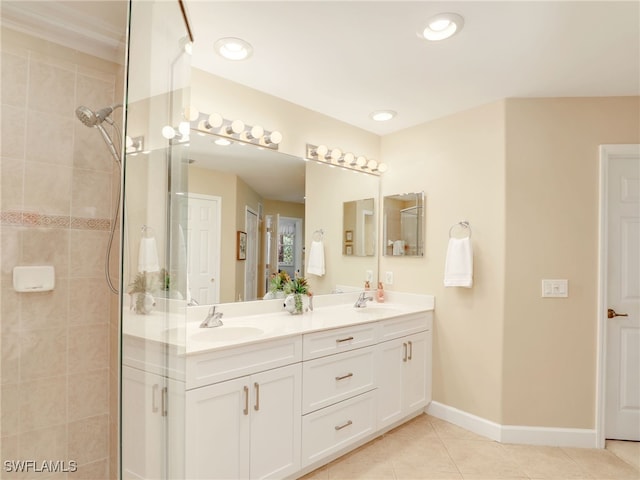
429	448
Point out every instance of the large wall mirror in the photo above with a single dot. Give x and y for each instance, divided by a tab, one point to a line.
235	187
404	225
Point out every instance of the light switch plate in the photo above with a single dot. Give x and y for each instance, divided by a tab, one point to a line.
388	278
369	276
558	288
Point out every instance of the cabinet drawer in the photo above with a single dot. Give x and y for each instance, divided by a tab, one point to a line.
333	428
328	380
217	366
400	327
328	342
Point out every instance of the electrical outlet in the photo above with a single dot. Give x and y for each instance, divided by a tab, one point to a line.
369	276
388	278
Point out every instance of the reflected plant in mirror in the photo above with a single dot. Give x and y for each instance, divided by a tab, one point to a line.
404	220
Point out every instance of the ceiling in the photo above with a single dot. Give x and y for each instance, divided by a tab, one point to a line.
348	58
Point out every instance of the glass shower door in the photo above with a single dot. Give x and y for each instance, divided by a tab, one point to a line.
154	271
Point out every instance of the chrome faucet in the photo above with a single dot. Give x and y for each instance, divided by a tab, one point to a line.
213	319
361	302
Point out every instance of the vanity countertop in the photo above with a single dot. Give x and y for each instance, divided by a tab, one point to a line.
254	322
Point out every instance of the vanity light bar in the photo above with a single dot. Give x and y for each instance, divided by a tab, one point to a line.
348	161
234	130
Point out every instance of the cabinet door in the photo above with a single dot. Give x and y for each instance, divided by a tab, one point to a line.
276	422
218	426
389	374
142	425
415	372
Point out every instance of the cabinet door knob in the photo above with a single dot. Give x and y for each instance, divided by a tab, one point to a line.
344	425
340	340
256	385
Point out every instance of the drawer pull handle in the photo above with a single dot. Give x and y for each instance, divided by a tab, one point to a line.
404	357
344	376
246	400
340	427
410	350
340	340
256	385
154	392
164	401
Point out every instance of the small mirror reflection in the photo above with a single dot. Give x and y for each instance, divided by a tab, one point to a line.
404	225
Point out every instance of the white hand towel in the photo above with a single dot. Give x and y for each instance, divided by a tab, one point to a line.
316	259
398	247
148	255
458	268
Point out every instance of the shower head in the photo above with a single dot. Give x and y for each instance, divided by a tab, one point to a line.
91	118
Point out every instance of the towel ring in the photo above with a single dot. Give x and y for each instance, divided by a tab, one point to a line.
318	235
465	225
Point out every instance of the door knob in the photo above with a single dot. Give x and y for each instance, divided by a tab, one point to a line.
213	280
612	313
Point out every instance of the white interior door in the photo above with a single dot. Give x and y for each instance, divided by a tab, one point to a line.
622	401
251	264
203	255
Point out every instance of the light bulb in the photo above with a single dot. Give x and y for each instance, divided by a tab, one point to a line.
233	48
336	153
321	150
237	126
191	113
349	158
273	137
256	132
184	128
361	161
215	120
382	167
168	132
372	165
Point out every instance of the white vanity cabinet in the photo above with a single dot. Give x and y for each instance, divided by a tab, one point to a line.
403	369
250	426
151	427
338	398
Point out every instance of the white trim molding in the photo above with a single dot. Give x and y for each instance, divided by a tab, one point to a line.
526	435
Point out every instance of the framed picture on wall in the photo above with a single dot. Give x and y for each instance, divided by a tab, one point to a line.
348	236
241	246
348	250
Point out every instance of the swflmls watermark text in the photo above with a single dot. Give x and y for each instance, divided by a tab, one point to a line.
40	466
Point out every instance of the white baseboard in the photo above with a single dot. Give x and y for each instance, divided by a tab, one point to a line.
550	436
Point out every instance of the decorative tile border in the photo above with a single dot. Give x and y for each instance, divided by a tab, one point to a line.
32	219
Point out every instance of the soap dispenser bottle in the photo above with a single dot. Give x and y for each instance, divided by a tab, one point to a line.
380	293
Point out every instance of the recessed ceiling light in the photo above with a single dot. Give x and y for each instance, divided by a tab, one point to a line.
233	48
383	115
442	26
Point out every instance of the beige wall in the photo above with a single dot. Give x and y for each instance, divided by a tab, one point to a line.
524	173
459	162
552	178
59	348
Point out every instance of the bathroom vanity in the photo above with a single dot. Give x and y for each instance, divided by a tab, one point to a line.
273	395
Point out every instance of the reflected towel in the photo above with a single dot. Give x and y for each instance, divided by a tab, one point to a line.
398	247
316	259
458	268
148	255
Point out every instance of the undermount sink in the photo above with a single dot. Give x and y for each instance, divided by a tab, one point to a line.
225	333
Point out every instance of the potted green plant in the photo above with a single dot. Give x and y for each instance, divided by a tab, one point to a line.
277	283
295	289
140	289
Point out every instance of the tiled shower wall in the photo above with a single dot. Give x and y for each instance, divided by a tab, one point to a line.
59	357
